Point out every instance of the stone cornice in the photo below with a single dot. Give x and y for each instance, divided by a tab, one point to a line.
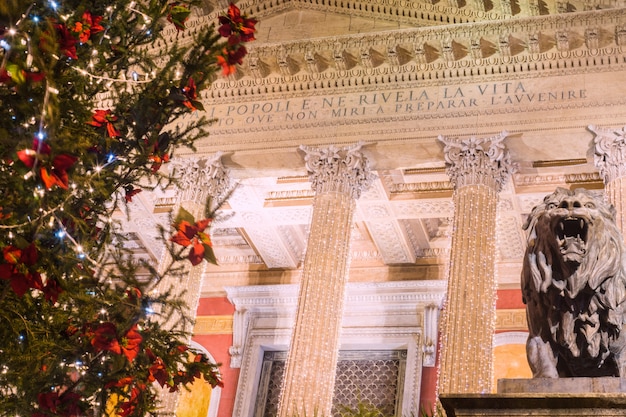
570	43
424	12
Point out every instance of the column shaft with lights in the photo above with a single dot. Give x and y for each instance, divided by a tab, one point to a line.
610	159
478	168
338	177
198	179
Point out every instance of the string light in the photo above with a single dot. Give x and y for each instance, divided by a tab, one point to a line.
468	322
311	366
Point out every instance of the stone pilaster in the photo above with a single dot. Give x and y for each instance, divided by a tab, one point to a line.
478	168
338	176
609	148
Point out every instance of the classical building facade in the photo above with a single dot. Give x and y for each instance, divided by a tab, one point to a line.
384	155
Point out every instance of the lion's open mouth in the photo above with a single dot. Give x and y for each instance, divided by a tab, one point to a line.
571	236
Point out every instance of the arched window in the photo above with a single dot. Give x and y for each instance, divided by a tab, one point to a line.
201	400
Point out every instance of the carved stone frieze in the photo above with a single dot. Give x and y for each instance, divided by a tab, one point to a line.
516	45
213	325
512	319
555	179
335	169
474	161
610	152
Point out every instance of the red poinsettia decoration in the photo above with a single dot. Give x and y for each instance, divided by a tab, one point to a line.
62	41
231	57
238	29
160	151
131	343
236	25
191	96
51	290
66	404
19	268
157	371
87	26
157	161
105	118
104	338
130	192
191	234
4	215
57	173
127	408
178	15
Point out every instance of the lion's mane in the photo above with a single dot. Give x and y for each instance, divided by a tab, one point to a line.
574	287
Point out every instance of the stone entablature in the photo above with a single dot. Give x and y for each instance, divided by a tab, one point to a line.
575	42
435	12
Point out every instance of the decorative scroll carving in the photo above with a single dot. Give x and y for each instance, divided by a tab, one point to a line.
610	152
478	161
574	287
431	329
200	178
343	170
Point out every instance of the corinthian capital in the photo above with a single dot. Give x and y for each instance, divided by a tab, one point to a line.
609	152
475	161
333	169
199	178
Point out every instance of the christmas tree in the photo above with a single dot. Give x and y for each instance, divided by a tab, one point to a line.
92	96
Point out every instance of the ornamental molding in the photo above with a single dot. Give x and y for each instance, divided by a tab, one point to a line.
578	42
609	156
555	179
412	13
478	161
368	305
420	187
510	338
511	319
345	170
213	325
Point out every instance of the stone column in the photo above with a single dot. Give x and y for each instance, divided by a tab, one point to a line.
338	176
609	148
478	168
201	181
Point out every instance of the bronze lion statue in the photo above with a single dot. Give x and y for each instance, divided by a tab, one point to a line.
574	287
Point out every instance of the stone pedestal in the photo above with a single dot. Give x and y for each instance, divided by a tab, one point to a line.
563	397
